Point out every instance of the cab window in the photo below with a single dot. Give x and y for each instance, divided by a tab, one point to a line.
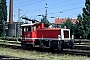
35	28
27	29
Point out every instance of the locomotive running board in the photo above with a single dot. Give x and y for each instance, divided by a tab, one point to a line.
42	39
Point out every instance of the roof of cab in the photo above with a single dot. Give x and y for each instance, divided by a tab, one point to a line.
27	24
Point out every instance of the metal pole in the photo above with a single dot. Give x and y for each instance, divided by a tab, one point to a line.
15	30
46	12
18	30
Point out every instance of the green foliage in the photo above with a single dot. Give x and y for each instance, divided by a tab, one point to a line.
44	20
86	20
62	25
79	24
3	16
68	23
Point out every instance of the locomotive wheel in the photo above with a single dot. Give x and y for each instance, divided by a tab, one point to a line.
30	46
51	49
60	46
23	44
41	45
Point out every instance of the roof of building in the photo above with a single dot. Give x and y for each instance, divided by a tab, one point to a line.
63	20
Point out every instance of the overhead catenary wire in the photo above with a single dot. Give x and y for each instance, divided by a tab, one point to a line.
40	1
74	14
56	7
44	8
30	3
65	10
60	3
24	2
66	5
8	1
62	11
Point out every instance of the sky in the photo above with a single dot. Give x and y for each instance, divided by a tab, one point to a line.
56	8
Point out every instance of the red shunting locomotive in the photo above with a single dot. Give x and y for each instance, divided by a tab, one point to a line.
37	35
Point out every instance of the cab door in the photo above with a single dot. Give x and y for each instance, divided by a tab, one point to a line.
27	32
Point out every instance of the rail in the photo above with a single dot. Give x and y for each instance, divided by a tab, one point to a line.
13	40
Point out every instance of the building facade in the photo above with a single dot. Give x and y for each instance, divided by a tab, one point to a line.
15	29
59	21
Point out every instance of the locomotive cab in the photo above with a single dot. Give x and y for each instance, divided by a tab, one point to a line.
26	30
28	35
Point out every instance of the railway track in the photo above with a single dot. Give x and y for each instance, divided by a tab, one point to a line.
11	58
78	50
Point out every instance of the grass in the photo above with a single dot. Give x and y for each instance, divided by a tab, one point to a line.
38	55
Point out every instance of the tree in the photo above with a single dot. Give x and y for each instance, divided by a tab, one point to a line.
44	20
79	24
3	17
86	19
74	30
68	23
